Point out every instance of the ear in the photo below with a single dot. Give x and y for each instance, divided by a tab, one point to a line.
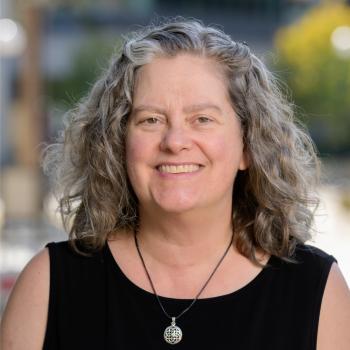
244	163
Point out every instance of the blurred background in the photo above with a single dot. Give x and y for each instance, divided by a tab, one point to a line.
52	51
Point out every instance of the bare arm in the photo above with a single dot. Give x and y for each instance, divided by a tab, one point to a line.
334	325
24	321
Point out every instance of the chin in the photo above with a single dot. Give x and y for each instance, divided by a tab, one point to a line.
176	207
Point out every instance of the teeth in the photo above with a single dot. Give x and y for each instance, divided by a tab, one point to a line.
175	169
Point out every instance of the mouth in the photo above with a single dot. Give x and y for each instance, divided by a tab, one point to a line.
178	168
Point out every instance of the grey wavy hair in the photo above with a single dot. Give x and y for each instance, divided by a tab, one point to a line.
274	199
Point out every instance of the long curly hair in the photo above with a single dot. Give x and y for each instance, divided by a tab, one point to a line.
274	199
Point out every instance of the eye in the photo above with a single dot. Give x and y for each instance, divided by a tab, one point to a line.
203	119
150	121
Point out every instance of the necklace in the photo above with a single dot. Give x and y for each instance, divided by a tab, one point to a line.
173	333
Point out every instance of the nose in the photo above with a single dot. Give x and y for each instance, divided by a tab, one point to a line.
176	139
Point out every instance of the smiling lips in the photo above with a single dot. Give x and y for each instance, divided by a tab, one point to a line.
176	169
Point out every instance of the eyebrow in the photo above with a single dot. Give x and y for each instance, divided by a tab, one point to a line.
188	109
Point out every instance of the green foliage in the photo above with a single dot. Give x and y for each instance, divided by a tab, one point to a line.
317	75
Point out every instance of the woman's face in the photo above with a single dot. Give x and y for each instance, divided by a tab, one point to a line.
184	143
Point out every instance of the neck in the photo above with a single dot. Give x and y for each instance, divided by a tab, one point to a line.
186	240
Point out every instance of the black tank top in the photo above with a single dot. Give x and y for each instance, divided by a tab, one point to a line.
93	305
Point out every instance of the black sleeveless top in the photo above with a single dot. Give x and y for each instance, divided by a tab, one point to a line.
93	305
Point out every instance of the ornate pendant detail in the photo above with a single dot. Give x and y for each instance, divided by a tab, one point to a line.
173	333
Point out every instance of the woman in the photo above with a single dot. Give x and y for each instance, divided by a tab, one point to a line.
188	194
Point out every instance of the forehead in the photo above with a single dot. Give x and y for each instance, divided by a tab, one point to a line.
184	78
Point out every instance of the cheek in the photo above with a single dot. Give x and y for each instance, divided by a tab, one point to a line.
133	156
139	152
136	149
227	149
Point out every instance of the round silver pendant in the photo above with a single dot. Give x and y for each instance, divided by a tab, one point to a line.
173	333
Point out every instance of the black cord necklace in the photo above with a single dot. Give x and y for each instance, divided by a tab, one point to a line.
173	333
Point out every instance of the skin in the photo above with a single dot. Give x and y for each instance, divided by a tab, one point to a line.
184	220
182	126
24	320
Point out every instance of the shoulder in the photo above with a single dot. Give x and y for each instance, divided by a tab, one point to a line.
70	254
64	248
305	253
25	316
316	290
55	278
314	265
331	294
73	268
308	267
302	280
309	264
333	332
61	251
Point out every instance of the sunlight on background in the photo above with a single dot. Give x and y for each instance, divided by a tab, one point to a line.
12	38
333	229
341	41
